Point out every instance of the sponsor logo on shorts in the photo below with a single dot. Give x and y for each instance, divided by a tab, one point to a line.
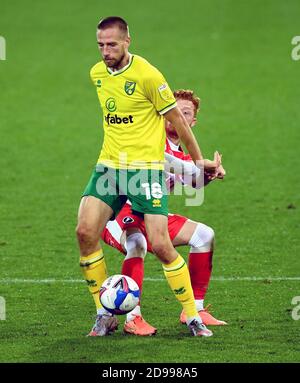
156	203
128	220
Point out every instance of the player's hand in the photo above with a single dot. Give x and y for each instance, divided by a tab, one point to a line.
211	167
221	173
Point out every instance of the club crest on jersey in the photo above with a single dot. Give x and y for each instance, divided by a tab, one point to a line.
129	87
128	220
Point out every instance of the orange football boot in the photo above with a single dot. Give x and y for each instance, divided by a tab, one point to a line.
138	326
206	317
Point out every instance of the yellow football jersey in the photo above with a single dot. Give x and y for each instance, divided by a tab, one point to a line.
133	101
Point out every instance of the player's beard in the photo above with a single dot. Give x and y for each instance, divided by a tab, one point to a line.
117	63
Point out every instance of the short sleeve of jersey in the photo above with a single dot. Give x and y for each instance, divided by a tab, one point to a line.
96	73
158	92
92	74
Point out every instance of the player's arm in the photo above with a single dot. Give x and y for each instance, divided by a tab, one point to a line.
184	132
190	173
159	93
176	165
186	136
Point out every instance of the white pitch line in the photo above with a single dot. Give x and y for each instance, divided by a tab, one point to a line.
218	279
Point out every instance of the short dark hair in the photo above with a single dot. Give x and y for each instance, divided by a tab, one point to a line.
112	21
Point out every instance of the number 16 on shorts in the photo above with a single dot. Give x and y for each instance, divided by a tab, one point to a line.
154	191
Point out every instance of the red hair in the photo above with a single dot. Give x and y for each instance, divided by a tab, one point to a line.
187	94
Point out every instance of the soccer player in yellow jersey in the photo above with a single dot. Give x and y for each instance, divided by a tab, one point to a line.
135	98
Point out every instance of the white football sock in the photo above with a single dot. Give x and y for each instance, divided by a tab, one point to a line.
199	304
136	311
197	318
103	311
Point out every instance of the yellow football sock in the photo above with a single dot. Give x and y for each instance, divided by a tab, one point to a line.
93	268
178	277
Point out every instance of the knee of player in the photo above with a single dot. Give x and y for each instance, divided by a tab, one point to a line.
85	233
160	250
136	245
210	233
203	237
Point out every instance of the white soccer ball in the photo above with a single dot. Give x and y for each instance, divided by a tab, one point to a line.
119	294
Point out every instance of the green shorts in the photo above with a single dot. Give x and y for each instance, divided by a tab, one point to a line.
145	189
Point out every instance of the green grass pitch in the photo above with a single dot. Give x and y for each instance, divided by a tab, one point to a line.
236	55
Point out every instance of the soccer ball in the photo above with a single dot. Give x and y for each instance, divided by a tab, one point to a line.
119	294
